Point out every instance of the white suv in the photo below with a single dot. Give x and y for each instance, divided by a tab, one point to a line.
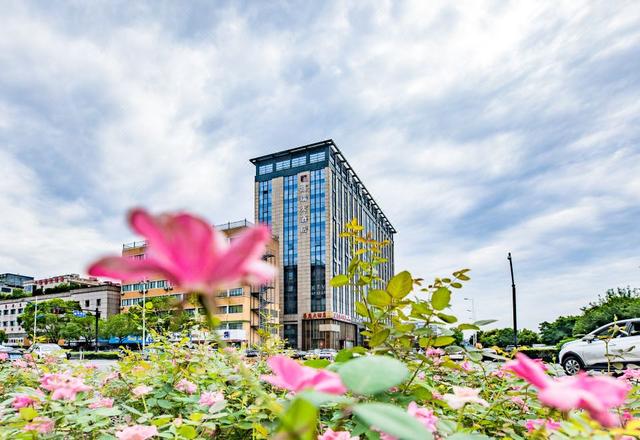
616	342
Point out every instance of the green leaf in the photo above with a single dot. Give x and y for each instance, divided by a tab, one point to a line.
372	374
318	398
475	356
343	355
300	419
456	285
441	341
391	420
468	327
361	309
466	436
400	285
379	298
449	319
164	404
379	337
485	322
441	298
317	363
187	431
27	413
339	281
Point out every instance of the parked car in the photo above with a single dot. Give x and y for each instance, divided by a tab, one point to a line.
251	353
321	353
48	350
13	353
299	354
616	342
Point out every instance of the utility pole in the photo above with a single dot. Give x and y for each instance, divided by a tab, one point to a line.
35	321
97	324
144	316
513	298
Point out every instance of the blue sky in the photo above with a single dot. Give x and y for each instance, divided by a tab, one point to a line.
480	127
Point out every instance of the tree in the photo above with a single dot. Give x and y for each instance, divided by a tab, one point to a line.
80	328
53	317
3	337
119	326
620	303
553	332
502	337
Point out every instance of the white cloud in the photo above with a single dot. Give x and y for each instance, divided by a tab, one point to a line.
480	128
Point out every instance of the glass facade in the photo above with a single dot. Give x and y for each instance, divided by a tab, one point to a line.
318	238
290	243
264	202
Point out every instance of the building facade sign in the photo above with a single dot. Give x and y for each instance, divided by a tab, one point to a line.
327	315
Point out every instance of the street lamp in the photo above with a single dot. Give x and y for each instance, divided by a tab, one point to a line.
144	315
473	318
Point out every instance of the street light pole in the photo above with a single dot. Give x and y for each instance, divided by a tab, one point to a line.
144	315
513	298
35	321
97	324
473	317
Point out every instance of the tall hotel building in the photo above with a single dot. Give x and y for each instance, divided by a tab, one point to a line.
307	194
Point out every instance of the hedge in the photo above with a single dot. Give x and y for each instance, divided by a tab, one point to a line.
95	355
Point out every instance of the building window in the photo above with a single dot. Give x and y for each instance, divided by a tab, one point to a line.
291	335
283	165
231	325
236	292
265	169
317	157
264	202
86	303
290	289
98	301
299	161
235	309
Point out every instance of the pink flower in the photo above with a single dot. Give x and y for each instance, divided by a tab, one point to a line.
20	363
466	366
631	374
141	390
434	352
191	254
421	375
63	386
626	416
43	425
186	387
137	432
596	395
424	416
463	395
4	356
292	376
520	402
330	434
22	400
209	398
104	402
436	395
548	424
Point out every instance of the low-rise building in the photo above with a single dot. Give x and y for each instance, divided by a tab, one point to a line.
54	281
9	282
104	297
243	310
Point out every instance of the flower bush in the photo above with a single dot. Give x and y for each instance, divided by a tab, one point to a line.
403	385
